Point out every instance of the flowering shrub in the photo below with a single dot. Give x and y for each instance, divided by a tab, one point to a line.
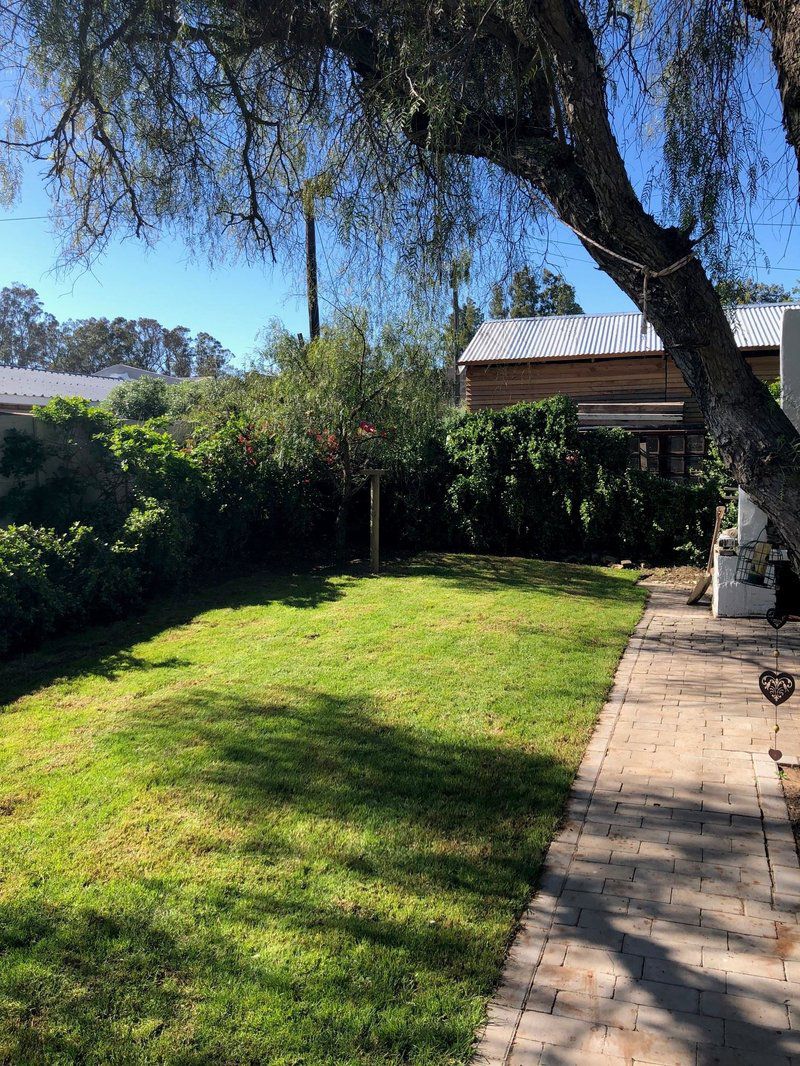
128	510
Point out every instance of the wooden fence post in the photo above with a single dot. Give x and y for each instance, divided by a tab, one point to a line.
375	520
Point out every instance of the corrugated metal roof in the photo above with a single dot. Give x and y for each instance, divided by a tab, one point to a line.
35	385
587	336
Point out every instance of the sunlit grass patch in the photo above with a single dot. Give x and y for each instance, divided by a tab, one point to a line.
292	820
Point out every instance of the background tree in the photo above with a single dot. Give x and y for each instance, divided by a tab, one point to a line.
739	291
524	302
178	352
28	333
497	302
557	296
346	403
532	294
427	120
32	337
210	358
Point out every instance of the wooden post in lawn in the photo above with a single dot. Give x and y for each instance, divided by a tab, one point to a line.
375	520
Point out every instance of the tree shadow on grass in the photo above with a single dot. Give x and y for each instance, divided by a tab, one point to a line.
393	859
482	573
105	650
105	983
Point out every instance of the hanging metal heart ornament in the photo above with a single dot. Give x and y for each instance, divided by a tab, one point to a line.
777	621
776	687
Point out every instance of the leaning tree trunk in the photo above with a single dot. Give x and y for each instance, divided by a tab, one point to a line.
579	169
782	19
754	436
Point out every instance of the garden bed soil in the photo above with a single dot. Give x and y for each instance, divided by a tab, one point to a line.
675	576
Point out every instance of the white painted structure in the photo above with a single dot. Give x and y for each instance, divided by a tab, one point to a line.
738	599
22	388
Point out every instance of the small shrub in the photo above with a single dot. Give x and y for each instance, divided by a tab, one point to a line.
154	544
33	596
140	400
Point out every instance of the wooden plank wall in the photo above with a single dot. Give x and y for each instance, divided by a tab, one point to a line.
615	379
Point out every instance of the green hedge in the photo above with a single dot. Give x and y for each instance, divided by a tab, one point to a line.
127	510
524	479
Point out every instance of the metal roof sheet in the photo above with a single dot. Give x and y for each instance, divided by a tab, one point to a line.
45	384
587	336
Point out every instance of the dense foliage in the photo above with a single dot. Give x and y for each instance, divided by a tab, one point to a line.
32	337
533	293
103	513
524	479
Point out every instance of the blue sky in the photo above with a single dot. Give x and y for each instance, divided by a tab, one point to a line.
235	301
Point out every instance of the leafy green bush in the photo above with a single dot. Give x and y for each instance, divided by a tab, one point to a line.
140	400
127	510
49	579
514	475
31	602
524	479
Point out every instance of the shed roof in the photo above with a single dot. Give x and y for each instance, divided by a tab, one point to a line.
619	333
42	385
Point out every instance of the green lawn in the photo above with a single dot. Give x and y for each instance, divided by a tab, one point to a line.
292	820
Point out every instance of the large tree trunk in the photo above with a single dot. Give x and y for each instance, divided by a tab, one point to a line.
782	19
754	436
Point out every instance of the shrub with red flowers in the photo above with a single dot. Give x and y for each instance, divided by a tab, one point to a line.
350	402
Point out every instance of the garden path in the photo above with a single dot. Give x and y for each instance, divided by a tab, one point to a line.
666	925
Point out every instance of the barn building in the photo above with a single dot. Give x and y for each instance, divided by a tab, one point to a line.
617	375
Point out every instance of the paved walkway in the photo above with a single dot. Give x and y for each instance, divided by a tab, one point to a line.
665	929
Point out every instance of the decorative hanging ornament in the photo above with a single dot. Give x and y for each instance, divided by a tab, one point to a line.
777	687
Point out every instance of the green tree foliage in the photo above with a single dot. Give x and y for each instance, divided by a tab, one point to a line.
531	294
347	403
524	479
140	400
32	337
736	292
29	335
497	302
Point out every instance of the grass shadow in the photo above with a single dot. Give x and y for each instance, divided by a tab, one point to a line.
481	573
105	650
391	859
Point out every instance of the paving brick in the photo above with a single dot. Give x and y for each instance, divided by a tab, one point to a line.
525	1053
739	962
657	994
572	979
743	1008
599	961
561	1056
683	1025
664	943
573	1033
755	1038
650	1047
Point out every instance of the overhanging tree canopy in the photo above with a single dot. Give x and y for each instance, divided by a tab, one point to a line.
420	118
